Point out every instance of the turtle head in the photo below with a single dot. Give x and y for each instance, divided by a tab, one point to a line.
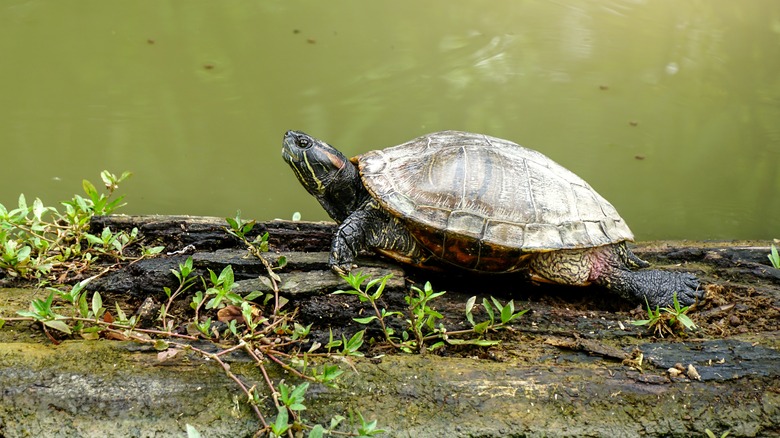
325	173
315	163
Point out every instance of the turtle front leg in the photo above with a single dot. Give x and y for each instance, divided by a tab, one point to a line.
370	227
347	242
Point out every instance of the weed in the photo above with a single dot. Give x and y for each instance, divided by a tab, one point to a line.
259	324
711	434
40	242
667	319
424	330
774	257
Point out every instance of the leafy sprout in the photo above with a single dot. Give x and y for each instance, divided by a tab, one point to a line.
666	320
774	257
423	329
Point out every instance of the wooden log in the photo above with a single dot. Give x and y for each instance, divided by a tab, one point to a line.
574	365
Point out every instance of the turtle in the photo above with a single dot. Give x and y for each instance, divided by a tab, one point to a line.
479	203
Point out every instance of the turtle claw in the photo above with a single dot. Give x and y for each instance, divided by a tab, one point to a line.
342	269
687	288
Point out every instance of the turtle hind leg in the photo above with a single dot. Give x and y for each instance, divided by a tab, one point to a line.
571	267
611	268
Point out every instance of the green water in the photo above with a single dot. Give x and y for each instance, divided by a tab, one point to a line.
670	109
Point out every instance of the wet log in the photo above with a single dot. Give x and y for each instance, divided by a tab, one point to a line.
574	365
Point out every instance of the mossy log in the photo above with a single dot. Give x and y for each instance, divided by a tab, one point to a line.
574	365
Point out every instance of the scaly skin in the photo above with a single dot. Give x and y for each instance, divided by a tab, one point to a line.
611	266
370	227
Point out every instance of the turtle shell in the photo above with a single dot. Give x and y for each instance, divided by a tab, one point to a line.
485	203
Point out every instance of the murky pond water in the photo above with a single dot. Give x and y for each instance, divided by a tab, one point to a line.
671	110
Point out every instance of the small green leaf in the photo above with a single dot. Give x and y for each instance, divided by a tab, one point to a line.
435	295
29	314
83	307
774	257
120	314
89	189
97	304
232	222
192	432
686	321
280	426
469	307
336	420
507	311
478	342
316	431
57	325
108	178
284	390
365	320
488	309
353	344
331	372
226	276
23	254
436	345
22	203
93	240
161	345
482	327
253	295
641	322
153	250
38	209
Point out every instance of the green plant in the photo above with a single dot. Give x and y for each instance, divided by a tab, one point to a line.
422	319
259	332
506	314
774	257
258	324
711	434
667	319
424	330
277	338
367	428
40	242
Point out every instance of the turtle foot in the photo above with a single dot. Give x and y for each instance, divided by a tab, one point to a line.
658	287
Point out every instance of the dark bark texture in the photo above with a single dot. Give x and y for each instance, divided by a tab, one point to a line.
574	365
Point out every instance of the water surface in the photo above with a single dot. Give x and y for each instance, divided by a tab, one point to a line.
671	110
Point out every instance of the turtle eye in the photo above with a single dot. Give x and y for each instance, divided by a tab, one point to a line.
304	143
